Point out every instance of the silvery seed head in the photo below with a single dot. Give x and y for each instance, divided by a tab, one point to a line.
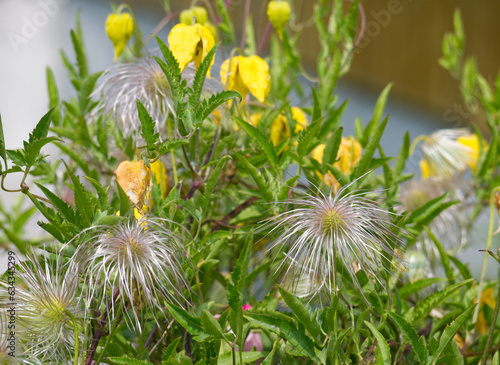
136	262
8	343
46	304
123	84
321	231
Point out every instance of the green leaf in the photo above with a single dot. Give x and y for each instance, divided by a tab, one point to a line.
42	127
377	113
83	200
85	166
200	76
216	100
247	357
286	328
128	361
62	207
2	145
189	323
148	126
366	157
403	155
414	287
101	193
383	355
462	268
170	350
214	176
444	257
307	138
450	331
171	69
425	306
210	325
81	58
489	159
125	204
33	149
303	314
166	146
332	147
416	343
269	358
317	113
257	177
261	140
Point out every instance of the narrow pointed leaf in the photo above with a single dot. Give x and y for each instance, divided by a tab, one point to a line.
260	139
417	344
383	352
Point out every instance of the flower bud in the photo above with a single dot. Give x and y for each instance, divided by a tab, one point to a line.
119	28
278	13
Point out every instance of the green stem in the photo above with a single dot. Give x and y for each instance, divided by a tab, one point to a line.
75	329
172	154
488	246
492	328
111	335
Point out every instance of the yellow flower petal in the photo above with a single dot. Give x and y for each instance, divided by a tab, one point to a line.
279	130
471	141
278	13
160	176
135	180
190	43
230	75
255	75
119	28
300	118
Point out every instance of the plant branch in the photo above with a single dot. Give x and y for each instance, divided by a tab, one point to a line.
235	212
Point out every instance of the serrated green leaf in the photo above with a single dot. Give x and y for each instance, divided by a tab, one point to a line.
317	113
412	288
248	357
166	146
383	355
269	358
2	145
286	328
83	200
444	257
306	139
416	343
79	48
403	155
79	160
200	76
261	140
102	193
33	149
42	127
257	177
462	268
214	177
170	350
303	314
148	126
210	324
489	159
62	207
332	147
172	71
216	100
374	139
450	331
425	306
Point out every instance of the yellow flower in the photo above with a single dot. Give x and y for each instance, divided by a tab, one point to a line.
247	74
487	298
200	13
190	43
160	176
119	28
348	156
278	13
280	128
135	180
471	141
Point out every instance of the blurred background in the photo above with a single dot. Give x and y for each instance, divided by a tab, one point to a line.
401	44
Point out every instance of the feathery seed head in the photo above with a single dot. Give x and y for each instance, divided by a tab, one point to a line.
139	258
321	231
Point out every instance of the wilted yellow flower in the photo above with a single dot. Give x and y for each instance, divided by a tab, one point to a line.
119	28
280	128
135	180
278	13
190	43
348	156
247	74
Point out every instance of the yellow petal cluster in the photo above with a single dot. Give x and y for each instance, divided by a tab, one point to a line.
278	13
190	43
348	156
247	74
119	28
135	180
160	176
280	128
487	298
471	141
